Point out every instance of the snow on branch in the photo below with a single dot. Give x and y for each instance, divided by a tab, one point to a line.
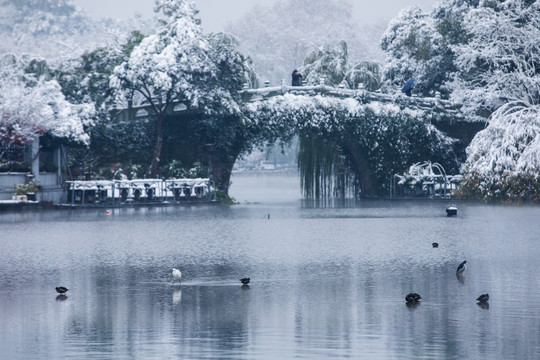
31	106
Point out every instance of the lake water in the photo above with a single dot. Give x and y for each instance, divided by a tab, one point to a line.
326	282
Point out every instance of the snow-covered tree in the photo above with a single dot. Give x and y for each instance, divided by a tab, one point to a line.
499	72
326	63
42	17
421	46
366	74
32	104
180	64
278	38
41	27
503	161
410	44
165	66
87	80
499	62
485	55
58	30
332	65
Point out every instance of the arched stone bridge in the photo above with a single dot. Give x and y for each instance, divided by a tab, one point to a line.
194	145
456	124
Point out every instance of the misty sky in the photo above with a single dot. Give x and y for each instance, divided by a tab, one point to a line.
215	14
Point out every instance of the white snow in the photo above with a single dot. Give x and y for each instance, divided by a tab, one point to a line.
31	106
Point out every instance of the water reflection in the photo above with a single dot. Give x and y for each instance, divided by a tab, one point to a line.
177	295
412	305
328	283
483	305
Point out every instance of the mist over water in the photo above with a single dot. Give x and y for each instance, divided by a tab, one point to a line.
325	282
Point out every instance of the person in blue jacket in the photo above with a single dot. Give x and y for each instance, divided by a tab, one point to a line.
407	88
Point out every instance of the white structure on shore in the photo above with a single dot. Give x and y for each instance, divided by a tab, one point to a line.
139	191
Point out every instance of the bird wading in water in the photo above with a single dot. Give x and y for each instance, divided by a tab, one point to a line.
413	298
176	274
61	289
483	298
461	268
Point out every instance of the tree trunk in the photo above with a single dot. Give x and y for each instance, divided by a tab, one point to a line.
153	169
221	170
362	168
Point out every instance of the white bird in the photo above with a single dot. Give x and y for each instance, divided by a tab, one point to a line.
176	274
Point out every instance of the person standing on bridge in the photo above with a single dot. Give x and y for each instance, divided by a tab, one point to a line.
407	88
296	78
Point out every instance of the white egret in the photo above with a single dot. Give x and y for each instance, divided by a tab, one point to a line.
176	274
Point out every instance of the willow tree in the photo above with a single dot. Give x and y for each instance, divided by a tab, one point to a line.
331	64
348	148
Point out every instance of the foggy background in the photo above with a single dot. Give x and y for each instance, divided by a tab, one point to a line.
216	14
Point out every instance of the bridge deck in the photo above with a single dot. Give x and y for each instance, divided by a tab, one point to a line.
434	104
364	96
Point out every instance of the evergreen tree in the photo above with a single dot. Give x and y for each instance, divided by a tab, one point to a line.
179	64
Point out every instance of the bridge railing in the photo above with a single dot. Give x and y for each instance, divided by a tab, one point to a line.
362	95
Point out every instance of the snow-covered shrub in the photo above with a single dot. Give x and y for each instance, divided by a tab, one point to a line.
499	71
503	161
33	104
30	187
